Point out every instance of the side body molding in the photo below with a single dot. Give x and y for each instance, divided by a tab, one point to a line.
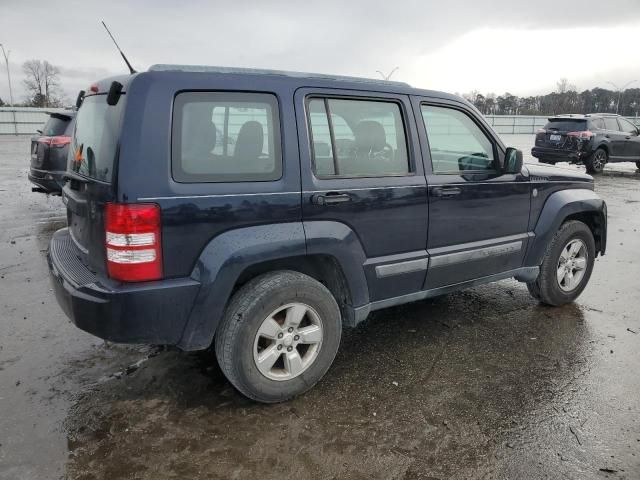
220	265
557	208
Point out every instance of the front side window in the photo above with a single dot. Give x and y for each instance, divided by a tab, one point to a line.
611	123
627	126
456	143
226	137
357	138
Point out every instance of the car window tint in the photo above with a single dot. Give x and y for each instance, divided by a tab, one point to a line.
456	143
627	126
56	125
611	123
566	125
357	138
226	137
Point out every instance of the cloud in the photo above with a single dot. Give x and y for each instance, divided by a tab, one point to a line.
353	38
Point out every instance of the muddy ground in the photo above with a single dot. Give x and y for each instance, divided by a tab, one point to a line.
480	384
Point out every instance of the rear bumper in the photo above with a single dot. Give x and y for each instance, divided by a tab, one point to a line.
150	312
558	155
51	181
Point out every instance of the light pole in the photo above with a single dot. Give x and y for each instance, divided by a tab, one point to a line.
387	77
620	92
6	61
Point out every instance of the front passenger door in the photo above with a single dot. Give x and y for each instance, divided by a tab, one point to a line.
478	215
616	139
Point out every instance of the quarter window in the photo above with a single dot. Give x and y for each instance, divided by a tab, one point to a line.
610	123
357	138
226	137
456	143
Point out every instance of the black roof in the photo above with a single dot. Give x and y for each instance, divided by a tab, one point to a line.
582	116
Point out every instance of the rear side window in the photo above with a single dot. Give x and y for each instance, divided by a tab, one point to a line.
597	123
357	138
627	126
96	137
566	125
55	126
611	123
226	137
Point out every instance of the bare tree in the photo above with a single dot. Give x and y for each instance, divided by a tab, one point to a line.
564	86
42	83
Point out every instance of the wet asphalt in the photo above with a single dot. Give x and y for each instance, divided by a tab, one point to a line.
483	383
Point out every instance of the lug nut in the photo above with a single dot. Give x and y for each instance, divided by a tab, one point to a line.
280	335
289	349
279	347
296	338
290	329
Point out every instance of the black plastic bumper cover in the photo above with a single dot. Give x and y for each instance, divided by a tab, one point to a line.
149	312
559	155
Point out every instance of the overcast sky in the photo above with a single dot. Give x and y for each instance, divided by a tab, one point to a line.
520	46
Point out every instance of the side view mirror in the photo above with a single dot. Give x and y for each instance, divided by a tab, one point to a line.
512	160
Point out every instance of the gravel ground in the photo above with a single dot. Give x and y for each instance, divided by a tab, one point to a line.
484	383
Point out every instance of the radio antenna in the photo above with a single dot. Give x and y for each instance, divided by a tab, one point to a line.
131	70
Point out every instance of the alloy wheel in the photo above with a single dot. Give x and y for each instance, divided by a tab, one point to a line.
572	265
288	341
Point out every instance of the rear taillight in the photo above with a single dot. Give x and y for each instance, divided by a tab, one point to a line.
541	131
132	240
585	134
58	141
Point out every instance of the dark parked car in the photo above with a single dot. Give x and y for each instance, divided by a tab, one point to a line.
49	152
594	139
327	199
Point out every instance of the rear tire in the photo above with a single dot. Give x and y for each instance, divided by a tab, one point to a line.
261	349
564	273
596	161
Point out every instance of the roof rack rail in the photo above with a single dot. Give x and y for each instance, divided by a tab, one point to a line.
259	71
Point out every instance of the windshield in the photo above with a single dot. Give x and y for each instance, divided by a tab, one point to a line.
95	139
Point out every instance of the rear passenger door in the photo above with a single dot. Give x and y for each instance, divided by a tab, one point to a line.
632	144
361	169
616	138
478	216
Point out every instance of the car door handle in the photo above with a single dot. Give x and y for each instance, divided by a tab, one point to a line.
607	136
330	198
445	191
628	138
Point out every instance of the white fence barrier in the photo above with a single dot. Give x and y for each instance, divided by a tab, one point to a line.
23	120
26	120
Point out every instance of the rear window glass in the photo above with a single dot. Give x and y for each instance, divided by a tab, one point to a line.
55	126
226	137
95	140
566	125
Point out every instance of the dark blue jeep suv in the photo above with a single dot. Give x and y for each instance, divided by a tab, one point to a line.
261	212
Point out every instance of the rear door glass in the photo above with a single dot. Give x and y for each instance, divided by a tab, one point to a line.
95	141
226	137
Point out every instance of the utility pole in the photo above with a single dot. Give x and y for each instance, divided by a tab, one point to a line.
387	77
620	92
6	61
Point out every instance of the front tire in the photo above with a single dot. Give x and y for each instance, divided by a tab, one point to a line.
279	336
596	161
567	265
